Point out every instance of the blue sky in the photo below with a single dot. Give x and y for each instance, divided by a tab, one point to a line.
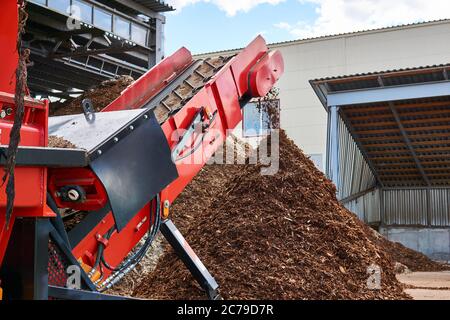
212	25
203	27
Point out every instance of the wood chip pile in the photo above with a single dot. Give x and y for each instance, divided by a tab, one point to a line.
274	237
101	96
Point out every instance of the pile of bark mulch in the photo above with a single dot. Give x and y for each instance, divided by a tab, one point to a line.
187	207
101	96
413	260
197	196
273	237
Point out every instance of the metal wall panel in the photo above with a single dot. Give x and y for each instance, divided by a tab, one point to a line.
355	175
423	207
405	207
391	207
367	207
440	207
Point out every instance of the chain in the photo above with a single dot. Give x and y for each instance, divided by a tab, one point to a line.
21	91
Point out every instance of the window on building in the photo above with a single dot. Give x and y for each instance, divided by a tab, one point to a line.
102	19
260	117
82	11
139	34
122	27
60	5
318	160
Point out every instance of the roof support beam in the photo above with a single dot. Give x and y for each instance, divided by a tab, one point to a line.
409	144
358	195
417	91
140	8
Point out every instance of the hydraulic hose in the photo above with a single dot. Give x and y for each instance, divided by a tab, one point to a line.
131	262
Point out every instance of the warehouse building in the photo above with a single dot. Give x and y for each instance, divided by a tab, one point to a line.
408	201
76	44
302	114
389	152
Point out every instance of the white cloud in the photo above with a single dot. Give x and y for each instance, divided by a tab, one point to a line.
283	25
231	7
340	16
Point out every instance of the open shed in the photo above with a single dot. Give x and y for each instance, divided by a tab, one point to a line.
388	152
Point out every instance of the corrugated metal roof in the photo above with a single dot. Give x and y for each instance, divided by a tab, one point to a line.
338	35
427	124
387	73
371	80
407	143
155	5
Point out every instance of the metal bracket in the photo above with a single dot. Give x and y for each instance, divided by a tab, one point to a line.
88	109
199	126
190	259
194	126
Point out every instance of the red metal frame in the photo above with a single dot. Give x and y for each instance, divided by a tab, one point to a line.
147	86
31	183
96	196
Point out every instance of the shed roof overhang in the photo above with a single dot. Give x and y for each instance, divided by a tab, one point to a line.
400	121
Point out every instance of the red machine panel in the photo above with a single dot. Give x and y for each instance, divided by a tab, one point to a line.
95	197
8	39
265	73
152	82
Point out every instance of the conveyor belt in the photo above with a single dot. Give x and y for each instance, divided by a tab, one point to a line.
108	125
187	86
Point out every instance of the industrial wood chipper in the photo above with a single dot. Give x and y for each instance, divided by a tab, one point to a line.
127	168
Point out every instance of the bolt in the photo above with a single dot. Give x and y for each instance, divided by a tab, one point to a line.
116	139
131	128
73	195
99	152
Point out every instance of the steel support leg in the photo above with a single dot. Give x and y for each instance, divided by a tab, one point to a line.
190	259
334	144
24	271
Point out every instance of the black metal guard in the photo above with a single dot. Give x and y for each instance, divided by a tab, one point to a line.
190	259
135	169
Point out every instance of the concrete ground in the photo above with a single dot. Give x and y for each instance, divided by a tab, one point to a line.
427	285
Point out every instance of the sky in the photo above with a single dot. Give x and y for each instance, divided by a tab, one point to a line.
212	25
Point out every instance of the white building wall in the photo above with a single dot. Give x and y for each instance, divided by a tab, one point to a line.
302	115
